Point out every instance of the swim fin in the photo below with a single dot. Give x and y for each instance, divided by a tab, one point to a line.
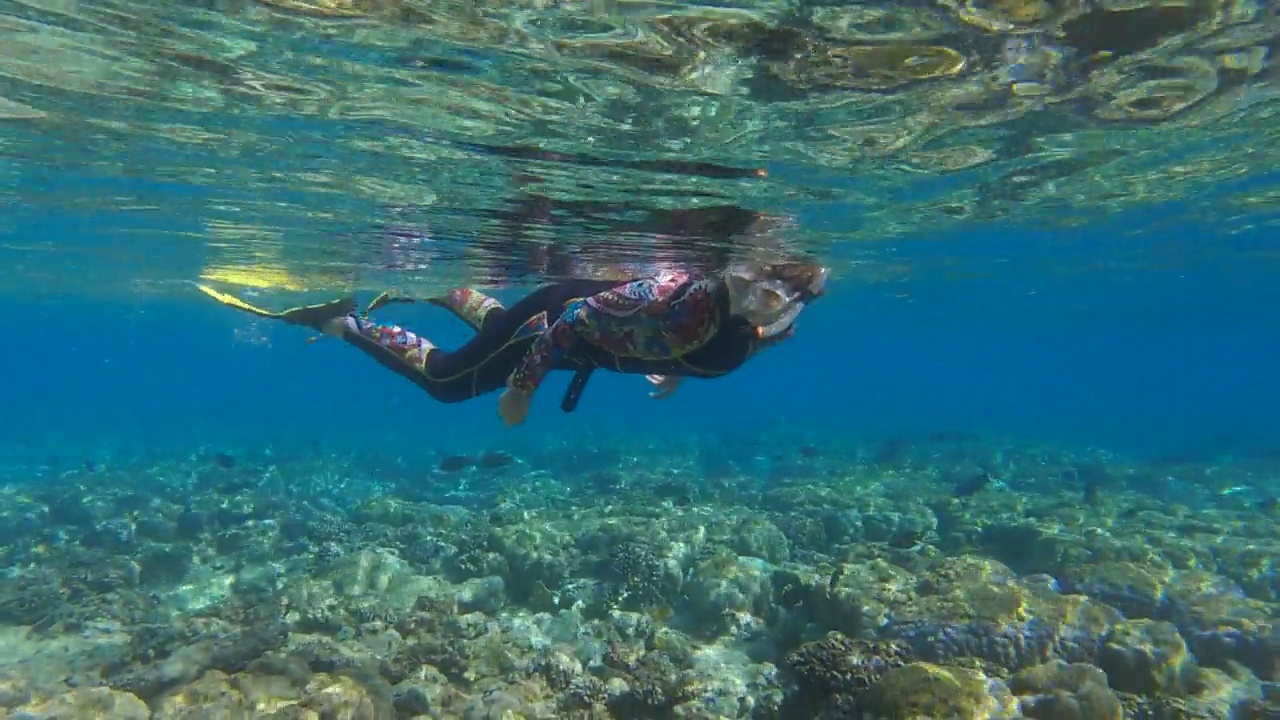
386	298
312	316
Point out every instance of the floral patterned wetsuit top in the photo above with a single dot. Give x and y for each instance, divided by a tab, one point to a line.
654	318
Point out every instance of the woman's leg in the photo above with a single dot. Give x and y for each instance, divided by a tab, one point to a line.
483	363
478	367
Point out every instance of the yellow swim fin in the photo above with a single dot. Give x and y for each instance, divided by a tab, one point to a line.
236	302
312	316
315	316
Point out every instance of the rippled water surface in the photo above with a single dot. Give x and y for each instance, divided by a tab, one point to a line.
306	144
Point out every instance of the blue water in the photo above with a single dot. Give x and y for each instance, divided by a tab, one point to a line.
993	443
1174	360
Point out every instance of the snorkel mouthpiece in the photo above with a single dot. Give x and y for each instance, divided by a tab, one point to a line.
783	323
772	296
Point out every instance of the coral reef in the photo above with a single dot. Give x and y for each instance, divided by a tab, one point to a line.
884	584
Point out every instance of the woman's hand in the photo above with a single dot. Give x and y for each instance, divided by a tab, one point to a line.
513	406
664	385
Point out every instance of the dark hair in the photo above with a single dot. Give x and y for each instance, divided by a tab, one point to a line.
793	271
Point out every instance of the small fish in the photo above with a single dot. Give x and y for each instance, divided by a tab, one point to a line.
224	460
456	463
972	485
810	452
438	64
603	481
671	489
907	539
493	459
1091	486
1093	476
836	575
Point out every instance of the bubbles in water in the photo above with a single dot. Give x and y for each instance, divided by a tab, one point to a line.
251	330
251	333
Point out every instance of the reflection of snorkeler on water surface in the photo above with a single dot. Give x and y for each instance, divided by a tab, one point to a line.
703	238
527	240
530	235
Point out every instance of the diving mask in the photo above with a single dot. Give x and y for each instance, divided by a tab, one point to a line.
771	297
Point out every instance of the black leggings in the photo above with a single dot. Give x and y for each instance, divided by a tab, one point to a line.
501	326
483	364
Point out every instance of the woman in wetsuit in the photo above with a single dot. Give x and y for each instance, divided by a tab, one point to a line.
674	324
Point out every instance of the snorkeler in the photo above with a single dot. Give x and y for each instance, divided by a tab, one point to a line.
672	325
